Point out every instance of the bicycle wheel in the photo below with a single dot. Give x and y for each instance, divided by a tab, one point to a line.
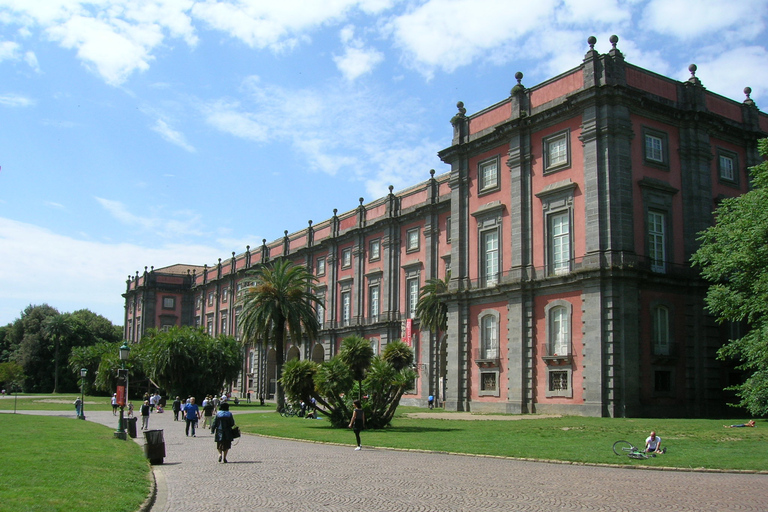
623	448
639	455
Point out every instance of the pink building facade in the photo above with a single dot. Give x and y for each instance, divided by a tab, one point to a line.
567	221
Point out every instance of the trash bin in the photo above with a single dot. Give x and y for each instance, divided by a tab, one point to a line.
132	427
154	446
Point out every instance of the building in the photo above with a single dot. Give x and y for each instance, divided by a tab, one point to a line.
567	222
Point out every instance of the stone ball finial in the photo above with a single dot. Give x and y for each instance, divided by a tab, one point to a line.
748	91
335	210
592	41
692	68
432	172
519	76
309	222
247	247
614	39
460	106
361	201
286	232
391	188
264	241
519	87
233	254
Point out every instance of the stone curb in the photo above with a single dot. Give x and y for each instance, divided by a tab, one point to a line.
527	459
150	501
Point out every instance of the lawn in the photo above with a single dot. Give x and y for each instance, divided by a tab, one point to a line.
691	443
56	464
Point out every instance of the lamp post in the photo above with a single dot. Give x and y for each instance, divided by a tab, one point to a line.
83	373
122	387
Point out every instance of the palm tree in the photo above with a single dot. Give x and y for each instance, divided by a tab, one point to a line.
57	328
432	311
281	301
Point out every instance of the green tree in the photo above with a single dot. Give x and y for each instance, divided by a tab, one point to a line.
333	384
11	375
356	353
58	329
432	311
185	360
280	302
733	257
31	348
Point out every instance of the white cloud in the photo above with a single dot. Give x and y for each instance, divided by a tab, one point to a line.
30	275
682	19
729	72
228	117
8	50
356	60
172	136
169	225
448	34
15	100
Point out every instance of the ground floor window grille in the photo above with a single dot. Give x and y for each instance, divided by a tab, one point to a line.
558	381
488	382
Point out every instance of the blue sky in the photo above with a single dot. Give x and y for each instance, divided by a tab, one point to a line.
154	132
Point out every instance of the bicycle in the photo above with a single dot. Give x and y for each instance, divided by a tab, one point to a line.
288	410
626	448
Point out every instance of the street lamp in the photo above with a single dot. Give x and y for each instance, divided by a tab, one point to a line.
83	373
122	388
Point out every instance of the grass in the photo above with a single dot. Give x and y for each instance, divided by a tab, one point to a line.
56	464
691	443
65	401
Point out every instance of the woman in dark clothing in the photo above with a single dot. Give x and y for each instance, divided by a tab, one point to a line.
357	423
222	427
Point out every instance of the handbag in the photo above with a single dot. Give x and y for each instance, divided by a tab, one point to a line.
235	432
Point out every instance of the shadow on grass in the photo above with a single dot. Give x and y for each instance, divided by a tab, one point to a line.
414	430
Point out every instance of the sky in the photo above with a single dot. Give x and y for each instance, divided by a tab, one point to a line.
141	133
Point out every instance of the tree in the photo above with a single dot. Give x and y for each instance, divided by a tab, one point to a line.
734	257
432	311
332	384
356	353
11	375
186	360
280	302
58	329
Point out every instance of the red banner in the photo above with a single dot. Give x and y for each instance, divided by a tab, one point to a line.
121	396
408	331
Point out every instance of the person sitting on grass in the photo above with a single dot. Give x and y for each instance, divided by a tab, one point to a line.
750	423
653	444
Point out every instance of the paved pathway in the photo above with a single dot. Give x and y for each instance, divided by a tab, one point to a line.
276	475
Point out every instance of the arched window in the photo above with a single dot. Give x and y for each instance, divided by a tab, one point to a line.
559	331
489	337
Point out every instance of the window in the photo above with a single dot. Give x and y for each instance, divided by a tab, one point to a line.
488	381
375	346
655	148
209	325
556	154
488	175
490	257
223	322
558	381
166	327
489	337
560	243
448	229
727	166
660	322
657	241
346	257
412	240
198	302
225	295
662	381
374	250
321	310
559	338
346	308
320	266
210	299
169	302
373	303
412	296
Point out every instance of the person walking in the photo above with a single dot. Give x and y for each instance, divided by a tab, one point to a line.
357	423
207	412
176	406
114	404
78	406
145	415
222	430
191	415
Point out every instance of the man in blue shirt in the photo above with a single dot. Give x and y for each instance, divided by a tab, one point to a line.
191	414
